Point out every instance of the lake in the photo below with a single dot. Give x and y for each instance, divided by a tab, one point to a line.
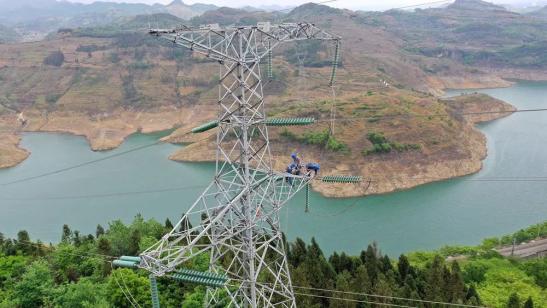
427	217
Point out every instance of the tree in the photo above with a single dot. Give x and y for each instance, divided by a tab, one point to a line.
99	231
435	279
35	287
137	286
168	224
23	242
370	260
83	294
455	284
134	240
104	248
55	58
403	267
472	297
343	284
76	238
529	303
361	282
67	234
514	301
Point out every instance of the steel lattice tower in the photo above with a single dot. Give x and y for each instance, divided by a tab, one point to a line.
235	220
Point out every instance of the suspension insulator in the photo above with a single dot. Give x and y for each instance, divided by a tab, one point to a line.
124	263
154	292
335	63
307	198
205	127
341	179
270	69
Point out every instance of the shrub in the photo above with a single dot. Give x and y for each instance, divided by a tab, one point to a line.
56	58
380	144
322	139
114	57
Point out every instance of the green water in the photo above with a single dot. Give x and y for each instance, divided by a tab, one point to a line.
427	217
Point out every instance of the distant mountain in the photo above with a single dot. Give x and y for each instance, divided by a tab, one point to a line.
7	35
475	5
229	16
49	15
184	11
542	13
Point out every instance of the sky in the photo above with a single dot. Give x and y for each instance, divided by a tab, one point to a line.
350	4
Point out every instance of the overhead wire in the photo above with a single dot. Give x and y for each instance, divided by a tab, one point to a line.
391	116
378	296
351	300
106	195
91	162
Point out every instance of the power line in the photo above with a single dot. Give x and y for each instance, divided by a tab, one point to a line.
378	296
106	195
90	162
390	116
420	4
351	300
386	297
81	164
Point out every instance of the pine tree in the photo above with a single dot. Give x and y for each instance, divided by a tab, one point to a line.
104	248
76	238
99	231
343	285
297	252
361	282
168	224
403	267
435	280
456	285
514	301
529	303
134	239
370	261
472	297
23	242
67	234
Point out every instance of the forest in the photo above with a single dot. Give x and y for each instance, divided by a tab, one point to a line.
77	272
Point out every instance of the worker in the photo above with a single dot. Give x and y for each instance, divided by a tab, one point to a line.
296	159
290	170
312	167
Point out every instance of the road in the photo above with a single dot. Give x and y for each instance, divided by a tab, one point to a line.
532	249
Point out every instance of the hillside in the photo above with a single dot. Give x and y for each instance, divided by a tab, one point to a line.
470	32
113	81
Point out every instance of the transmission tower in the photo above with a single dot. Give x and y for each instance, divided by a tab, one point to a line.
235	220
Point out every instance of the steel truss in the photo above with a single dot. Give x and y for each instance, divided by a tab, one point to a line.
235	220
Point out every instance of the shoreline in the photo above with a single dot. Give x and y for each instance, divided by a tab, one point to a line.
428	171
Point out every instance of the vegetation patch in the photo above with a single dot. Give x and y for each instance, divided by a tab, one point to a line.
380	144
77	273
322	139
55	58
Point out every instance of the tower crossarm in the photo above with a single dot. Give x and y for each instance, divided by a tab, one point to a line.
214	41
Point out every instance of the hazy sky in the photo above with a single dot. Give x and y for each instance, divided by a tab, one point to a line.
351	4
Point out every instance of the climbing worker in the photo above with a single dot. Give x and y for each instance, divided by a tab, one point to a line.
312	167
296	159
